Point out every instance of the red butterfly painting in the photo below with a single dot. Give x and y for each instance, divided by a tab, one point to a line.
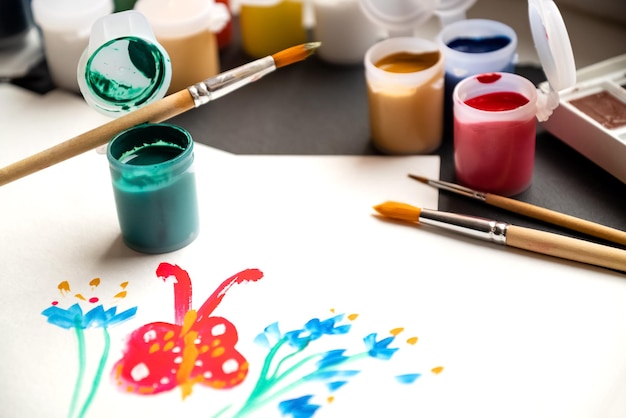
196	349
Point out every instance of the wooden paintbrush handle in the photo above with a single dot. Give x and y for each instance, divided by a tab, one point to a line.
566	247
159	111
557	218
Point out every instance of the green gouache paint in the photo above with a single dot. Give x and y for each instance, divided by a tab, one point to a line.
154	187
126	72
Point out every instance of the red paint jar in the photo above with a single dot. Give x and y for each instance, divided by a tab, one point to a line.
494	132
495	114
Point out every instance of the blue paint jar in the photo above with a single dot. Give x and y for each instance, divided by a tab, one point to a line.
475	46
154	187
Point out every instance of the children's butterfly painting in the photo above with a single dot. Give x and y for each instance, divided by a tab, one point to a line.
300	373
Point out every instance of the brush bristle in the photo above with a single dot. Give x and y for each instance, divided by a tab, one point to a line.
399	211
419	178
295	53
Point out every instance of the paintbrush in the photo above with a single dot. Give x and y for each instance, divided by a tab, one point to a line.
532	211
166	108
510	235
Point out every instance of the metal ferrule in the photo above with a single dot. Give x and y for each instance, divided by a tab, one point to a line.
485	229
228	81
465	191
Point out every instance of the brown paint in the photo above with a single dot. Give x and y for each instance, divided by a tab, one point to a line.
407	62
604	108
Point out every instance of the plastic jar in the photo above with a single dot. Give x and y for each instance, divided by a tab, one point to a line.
65	26
154	187
405	108
344	31
269	26
494	132
476	46
187	30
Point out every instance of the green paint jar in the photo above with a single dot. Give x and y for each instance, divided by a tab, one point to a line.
154	187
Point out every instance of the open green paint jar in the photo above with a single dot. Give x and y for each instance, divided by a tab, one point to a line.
154	187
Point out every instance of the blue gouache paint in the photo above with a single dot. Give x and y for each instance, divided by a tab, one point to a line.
479	45
154	187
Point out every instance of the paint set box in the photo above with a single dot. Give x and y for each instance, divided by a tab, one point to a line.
591	117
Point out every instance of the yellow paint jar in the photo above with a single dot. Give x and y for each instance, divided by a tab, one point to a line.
269	26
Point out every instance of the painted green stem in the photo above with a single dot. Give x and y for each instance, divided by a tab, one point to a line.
80	335
99	372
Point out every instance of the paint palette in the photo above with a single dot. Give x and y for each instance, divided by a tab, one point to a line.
591	117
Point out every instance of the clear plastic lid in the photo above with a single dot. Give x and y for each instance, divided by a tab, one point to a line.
555	53
404	16
123	67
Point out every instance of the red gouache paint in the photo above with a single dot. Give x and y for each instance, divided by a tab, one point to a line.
497	101
496	157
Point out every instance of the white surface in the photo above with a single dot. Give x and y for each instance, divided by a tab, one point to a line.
518	334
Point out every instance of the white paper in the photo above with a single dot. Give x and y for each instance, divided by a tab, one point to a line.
491	331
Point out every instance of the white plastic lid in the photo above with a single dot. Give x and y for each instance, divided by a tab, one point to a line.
408	15
69	15
183	18
555	53
124	67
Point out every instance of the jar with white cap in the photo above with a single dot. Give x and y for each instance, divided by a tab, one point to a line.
269	26
495	114
65	27
405	77
188	32
344	31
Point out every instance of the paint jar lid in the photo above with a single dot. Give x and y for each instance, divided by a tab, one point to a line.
555	53
123	67
176	19
404	16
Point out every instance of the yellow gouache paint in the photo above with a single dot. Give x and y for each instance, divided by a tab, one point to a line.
267	29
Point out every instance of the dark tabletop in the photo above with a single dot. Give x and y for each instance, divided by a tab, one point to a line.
316	108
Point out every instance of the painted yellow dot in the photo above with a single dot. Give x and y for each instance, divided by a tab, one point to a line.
330	399
396	331
95	282
168	335
204	349
168	346
353	316
437	369
216	342
154	348
412	340
218	352
332	310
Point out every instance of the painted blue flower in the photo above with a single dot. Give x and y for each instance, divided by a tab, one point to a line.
314	329
298	407
73	316
332	358
379	349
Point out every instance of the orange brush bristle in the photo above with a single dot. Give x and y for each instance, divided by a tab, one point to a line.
399	211
294	54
